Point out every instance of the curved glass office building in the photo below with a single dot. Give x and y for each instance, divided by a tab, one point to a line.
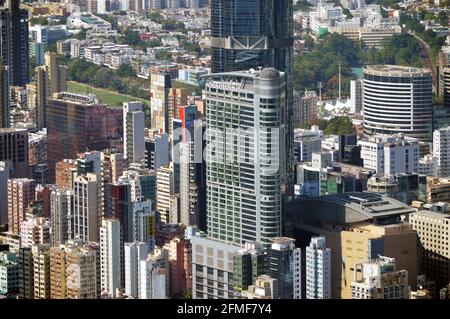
398	99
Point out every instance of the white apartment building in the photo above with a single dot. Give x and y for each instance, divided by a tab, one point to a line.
152	279
110	256
133	136
318	270
34	231
164	188
306	142
441	150
212	262
390	155
134	253
428	165
378	279
143	219
85	212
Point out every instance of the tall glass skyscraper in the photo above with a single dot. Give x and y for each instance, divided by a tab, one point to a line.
251	33
256	33
245	142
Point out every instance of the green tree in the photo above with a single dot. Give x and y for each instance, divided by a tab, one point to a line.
130	37
39	21
302	5
163	55
51	47
154	43
173	25
155	16
80	35
347	13
340	125
443	18
109	18
125	70
187	294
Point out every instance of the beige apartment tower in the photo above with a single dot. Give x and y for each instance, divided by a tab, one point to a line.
75	271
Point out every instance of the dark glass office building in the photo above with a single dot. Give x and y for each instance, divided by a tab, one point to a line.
256	33
14	41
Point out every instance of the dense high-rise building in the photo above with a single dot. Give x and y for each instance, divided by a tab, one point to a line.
56	74
444	78
441	150
249	34
134	253
252	34
4	176
14	148
143	221
188	152
153	276
25	272
356	96
65	170
34	231
246	155
157	152
133	135
142	181
164	189
432	228
4	95
9	284
49	79
179	266
75	271
379	279
284	265
61	209
119	207
248	264
76	123
85	208
305	108
14	41
212	268
160	83
41	271
318	270
177	97
110	254
20	195
112	165
390	154
396	100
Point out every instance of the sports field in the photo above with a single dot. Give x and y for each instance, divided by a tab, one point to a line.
105	96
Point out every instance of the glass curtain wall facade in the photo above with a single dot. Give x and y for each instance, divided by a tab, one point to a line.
252	34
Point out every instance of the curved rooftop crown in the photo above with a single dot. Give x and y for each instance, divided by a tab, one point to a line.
269	73
395	70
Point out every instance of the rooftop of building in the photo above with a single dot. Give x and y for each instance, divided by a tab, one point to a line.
348	208
431	214
261	73
10	130
395	70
